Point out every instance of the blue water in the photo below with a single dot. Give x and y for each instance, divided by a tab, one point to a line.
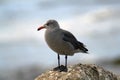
93	22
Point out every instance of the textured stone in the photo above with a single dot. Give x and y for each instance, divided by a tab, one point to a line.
79	72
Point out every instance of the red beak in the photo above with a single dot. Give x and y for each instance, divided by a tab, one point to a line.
41	27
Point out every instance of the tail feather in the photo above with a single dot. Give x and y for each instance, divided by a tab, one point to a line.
82	47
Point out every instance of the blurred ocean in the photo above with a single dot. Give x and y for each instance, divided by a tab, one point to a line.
96	23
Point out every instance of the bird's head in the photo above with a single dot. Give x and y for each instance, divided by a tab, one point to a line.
50	24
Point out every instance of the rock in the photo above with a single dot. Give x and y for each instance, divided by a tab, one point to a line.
79	72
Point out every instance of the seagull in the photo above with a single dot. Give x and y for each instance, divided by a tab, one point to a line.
62	42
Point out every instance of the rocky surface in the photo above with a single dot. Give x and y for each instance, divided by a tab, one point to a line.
79	72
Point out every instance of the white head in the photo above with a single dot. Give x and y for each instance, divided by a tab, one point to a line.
50	24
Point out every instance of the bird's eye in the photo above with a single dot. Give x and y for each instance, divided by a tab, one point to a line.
48	24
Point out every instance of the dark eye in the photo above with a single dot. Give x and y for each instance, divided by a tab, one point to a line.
48	24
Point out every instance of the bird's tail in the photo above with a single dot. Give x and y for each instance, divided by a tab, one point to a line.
82	47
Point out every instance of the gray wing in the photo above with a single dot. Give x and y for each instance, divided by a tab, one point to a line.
69	37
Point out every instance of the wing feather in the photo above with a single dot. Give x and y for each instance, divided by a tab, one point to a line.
69	37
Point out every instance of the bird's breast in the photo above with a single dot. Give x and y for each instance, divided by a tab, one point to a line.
53	39
56	43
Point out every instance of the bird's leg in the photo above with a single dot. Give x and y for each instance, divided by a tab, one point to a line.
57	68
65	67
61	67
58	60
65	60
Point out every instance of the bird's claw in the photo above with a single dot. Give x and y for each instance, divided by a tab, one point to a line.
61	68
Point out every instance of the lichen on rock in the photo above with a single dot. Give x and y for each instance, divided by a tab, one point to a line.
79	72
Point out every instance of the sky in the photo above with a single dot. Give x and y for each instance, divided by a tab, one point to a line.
95	23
